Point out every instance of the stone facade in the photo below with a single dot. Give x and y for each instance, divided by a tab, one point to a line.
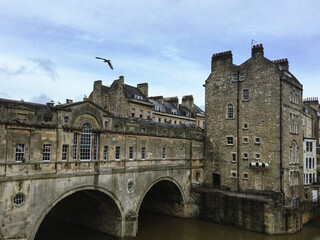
253	118
129	101
50	154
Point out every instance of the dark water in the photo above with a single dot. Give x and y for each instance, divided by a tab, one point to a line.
160	227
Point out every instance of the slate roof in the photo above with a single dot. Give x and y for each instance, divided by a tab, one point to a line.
132	91
35	106
197	109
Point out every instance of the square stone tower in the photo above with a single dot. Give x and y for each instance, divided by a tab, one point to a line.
253	138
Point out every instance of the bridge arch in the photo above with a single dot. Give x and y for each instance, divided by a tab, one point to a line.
35	227
162	202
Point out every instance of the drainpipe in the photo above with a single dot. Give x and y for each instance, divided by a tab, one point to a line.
281	140
238	137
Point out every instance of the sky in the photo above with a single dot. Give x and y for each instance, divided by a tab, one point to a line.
48	48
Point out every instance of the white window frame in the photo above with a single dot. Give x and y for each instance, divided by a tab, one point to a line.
20	152
46	153
143	153
230	111
65	152
131	153
105	153
117	153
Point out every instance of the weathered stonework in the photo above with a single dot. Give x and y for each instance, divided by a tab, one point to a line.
116	182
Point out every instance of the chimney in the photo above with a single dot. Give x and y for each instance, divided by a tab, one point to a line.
187	101
50	104
97	85
143	87
257	51
219	58
158	99
283	63
173	100
121	80
69	101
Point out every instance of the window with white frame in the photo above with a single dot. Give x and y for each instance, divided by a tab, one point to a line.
293	153
310	163
257	156
229	140
245	156
85	142
130	153
174	111
163	153
65	152
143	153
141	114
257	141
117	154
46	152
75	146
245	176
245	94
245	139
229	111
309	178
245	126
95	146
133	112
233	174
105	152
233	157
20	152
148	115
293	123
309	146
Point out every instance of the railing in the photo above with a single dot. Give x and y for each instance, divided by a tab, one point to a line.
92	167
252	194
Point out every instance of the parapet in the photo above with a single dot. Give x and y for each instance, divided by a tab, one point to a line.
283	63
311	101
257	50
222	57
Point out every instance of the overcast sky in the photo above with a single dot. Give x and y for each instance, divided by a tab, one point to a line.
48	48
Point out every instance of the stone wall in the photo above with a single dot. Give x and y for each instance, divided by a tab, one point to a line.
250	214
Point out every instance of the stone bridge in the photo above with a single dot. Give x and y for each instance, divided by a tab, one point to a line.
106	196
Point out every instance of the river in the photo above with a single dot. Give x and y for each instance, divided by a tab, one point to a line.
159	227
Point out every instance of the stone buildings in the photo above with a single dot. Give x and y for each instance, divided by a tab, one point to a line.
128	101
120	144
254	133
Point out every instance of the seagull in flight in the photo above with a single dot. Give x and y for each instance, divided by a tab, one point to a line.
107	61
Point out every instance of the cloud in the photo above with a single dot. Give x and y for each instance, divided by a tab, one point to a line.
5	70
42	98
4	95
47	66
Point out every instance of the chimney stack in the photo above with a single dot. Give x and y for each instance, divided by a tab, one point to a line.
143	87
219	58
257	51
283	63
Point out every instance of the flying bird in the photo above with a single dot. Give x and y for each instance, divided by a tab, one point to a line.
107	61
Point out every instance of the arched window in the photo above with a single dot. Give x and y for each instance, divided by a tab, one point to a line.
85	142
229	111
294	153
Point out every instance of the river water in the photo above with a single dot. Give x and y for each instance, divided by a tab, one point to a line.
159	227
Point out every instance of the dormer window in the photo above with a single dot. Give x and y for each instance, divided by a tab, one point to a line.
138	97
188	114
174	111
158	108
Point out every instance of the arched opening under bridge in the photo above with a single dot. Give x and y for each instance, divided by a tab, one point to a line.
90	209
